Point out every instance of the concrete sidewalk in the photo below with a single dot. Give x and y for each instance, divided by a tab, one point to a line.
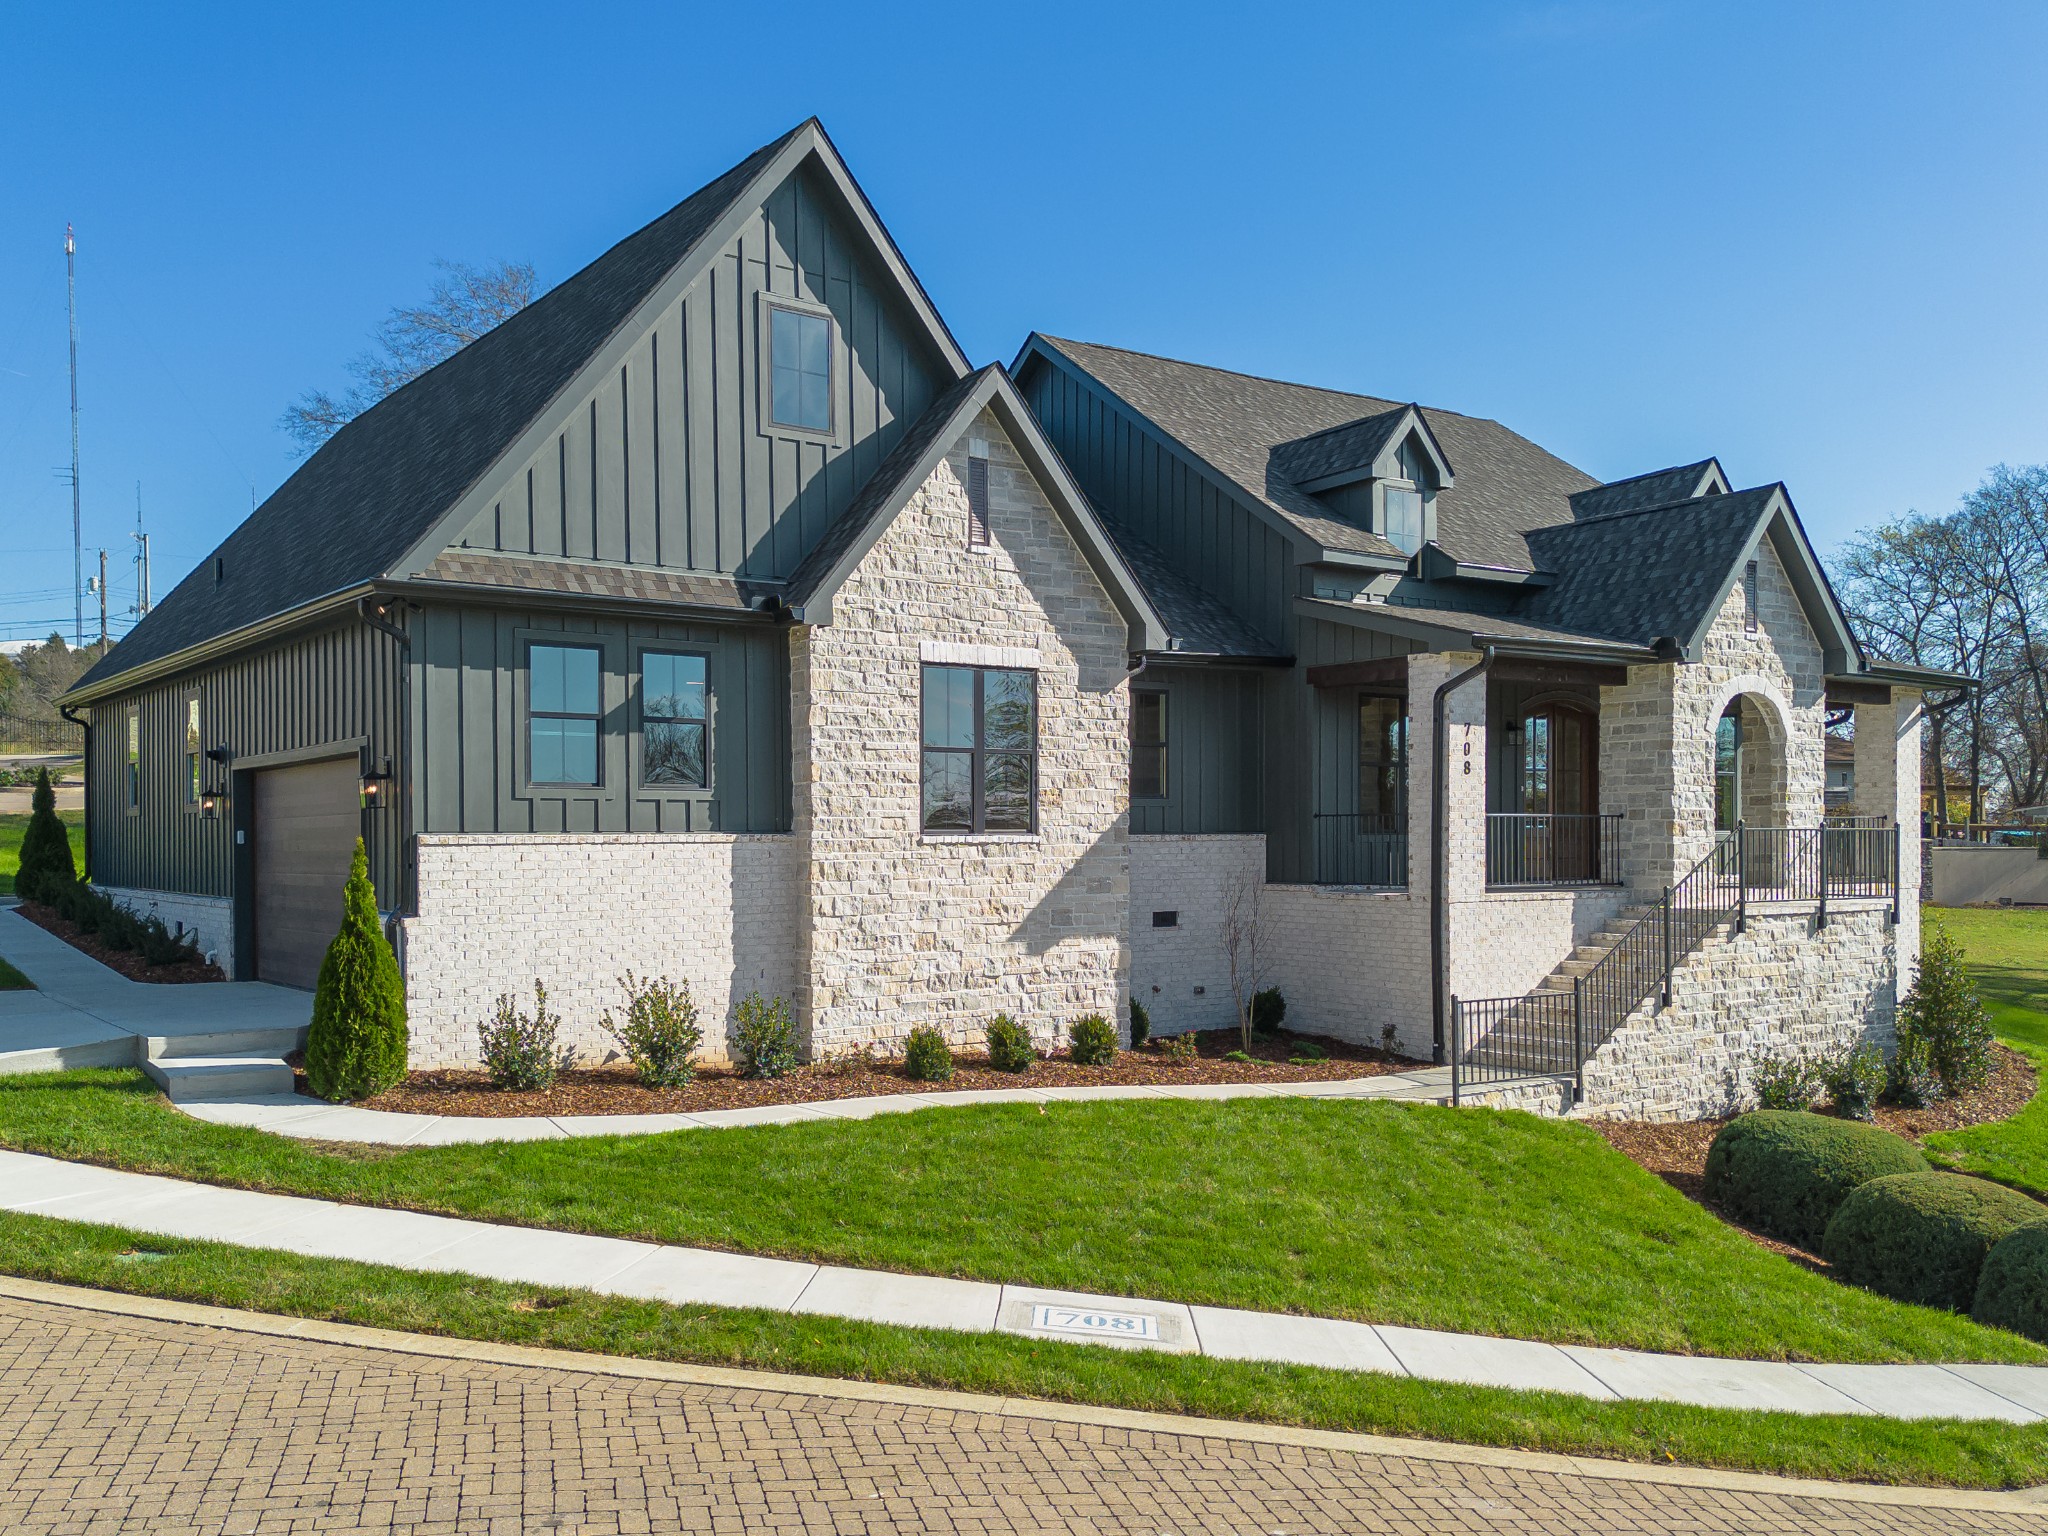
82	1014
619	1267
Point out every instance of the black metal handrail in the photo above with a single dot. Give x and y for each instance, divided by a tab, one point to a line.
1496	1039
1542	849
1361	848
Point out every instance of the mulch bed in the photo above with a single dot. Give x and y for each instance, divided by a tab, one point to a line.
127	962
612	1089
1676	1151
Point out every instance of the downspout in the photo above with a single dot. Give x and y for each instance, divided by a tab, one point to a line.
86	763
372	614
1439	848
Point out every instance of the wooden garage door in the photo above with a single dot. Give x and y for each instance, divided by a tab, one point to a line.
306	821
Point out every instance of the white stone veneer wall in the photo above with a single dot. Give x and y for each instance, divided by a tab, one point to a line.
899	929
210	917
577	911
1187	875
1782	985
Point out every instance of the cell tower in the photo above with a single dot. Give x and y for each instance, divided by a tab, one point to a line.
77	535
141	559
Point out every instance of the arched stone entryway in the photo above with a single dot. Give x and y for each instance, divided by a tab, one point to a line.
1749	765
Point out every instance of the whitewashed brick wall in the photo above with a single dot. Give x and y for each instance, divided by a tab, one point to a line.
579	910
898	929
1352	961
1780	986
212	918
1181	974
1504	943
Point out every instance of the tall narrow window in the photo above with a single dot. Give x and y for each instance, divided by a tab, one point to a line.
1749	597
563	713
133	776
1382	762
1148	744
977	501
800	369
194	759
1728	769
674	721
1403	518
980	750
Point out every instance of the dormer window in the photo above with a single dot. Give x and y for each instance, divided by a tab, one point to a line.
1402	517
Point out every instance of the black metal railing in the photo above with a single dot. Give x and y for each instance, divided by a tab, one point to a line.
1361	848
1553	850
39	737
1496	1039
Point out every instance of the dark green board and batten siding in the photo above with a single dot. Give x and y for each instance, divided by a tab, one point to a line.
470	713
667	463
1134	478
1212	750
328	692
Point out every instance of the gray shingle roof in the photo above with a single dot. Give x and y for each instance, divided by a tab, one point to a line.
1352	446
1233	421
588	578
1659	488
1195	622
359	504
1640	576
1458	624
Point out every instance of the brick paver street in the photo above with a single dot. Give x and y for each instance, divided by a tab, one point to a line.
111	1423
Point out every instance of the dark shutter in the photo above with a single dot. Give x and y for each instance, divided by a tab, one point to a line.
977	501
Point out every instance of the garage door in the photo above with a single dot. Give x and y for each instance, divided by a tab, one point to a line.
306	818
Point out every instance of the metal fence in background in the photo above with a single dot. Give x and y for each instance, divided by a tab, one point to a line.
39	738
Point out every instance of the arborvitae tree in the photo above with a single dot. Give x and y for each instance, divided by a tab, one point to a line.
1943	1014
355	1046
46	866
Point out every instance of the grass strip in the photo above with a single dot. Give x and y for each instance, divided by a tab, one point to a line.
2007	951
12	980
1470	1221
1934	1452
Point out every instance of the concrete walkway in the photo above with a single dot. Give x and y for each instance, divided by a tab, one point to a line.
82	1014
619	1267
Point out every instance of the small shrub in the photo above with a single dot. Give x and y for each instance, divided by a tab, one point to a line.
118	927
926	1056
523	1051
1787	1173
1091	1041
1909	1079
1239	1056
1141	1024
1307	1053
1943	1012
1390	1040
1853	1078
764	1037
1923	1237
45	856
162	947
1785	1081
356	1042
1183	1050
661	1034
2012	1288
1269	1008
1009	1045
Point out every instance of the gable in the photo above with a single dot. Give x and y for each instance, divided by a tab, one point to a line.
673	458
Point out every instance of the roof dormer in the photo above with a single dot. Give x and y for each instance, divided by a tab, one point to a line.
1382	472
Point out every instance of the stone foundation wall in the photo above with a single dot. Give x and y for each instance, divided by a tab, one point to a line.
1782	985
579	910
899	928
1181	973
212	918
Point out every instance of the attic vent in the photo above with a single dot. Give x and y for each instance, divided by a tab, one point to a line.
977	499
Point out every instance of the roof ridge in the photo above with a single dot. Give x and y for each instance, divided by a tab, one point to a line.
1267	378
1342	426
1662	506
1650	474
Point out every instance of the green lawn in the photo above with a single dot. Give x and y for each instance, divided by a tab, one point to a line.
1468	1220
1863	1449
2008	955
14	824
11	979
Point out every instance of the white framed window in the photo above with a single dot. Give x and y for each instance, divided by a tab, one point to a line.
800	394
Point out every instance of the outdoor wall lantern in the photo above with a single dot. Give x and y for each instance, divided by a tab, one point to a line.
1513	726
215	790
377	786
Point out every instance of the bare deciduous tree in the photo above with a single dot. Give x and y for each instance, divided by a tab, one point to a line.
464	302
1244	946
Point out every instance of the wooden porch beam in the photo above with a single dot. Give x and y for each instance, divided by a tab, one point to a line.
1513	669
1840	693
1380	673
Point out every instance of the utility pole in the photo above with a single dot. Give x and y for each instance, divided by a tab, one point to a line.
99	584
77	537
141	559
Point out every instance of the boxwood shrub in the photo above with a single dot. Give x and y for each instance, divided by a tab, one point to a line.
2012	1288
926	1056
1787	1172
1923	1237
1091	1041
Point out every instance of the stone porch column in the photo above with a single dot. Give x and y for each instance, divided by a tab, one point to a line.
1888	784
1641	774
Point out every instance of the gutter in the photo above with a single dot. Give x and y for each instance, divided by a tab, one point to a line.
1439	857
373	615
86	765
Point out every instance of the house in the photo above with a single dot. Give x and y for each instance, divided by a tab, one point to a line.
715	617
1840	790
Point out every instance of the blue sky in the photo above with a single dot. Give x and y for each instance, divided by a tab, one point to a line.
1807	238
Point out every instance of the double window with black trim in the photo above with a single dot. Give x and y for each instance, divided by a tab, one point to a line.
566	717
980	750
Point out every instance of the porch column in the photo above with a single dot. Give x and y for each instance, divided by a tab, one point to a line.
1646	779
1888	784
1465	788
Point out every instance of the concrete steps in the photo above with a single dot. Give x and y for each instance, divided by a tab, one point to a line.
1583	960
228	1064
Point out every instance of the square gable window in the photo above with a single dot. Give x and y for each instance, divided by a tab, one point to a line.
800	369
